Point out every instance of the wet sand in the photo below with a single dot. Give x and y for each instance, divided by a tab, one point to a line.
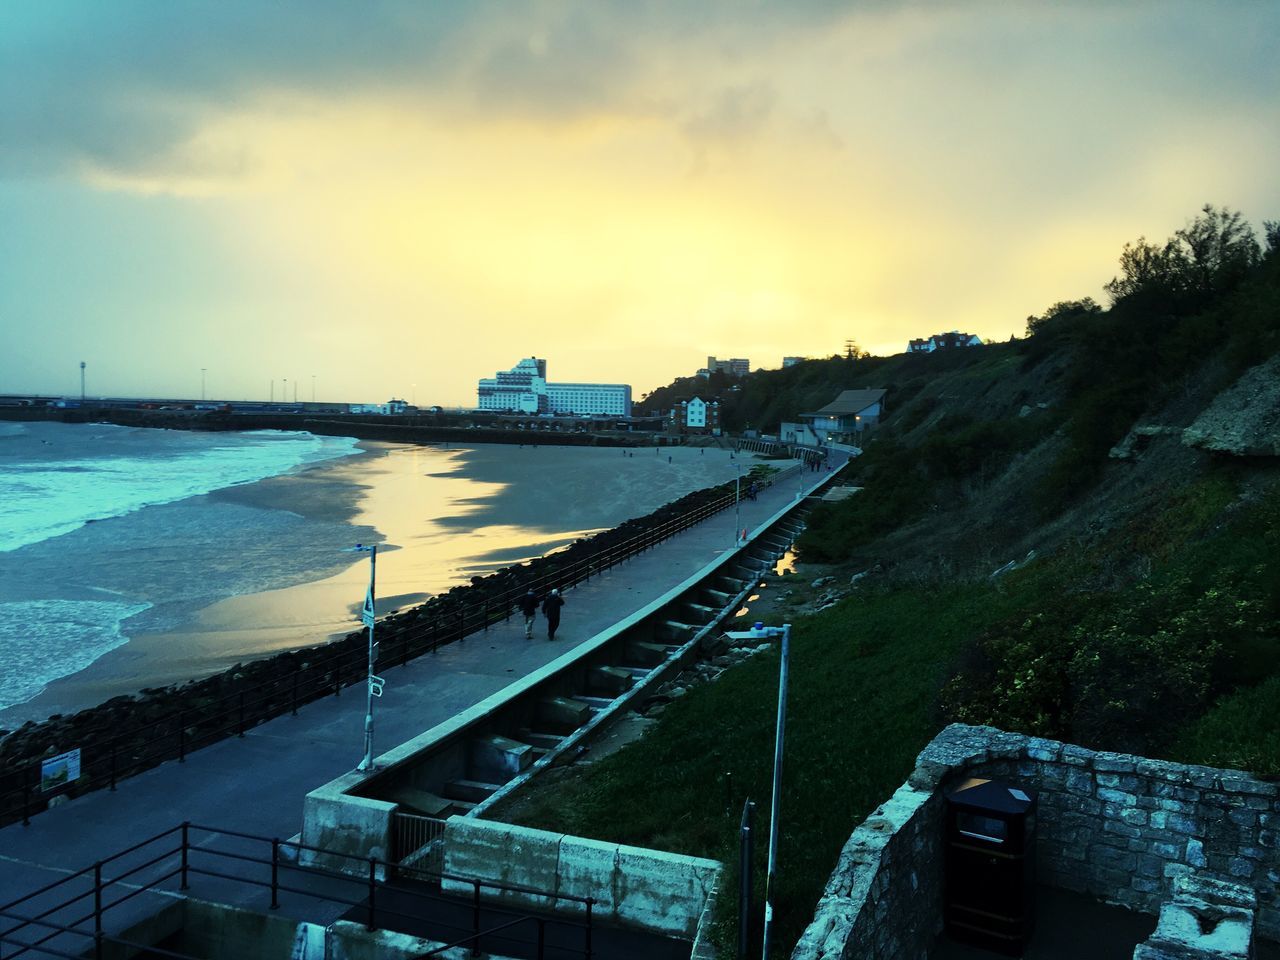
441	516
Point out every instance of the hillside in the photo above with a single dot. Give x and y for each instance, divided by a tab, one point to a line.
1074	535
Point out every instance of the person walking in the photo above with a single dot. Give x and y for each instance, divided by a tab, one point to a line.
551	610
528	605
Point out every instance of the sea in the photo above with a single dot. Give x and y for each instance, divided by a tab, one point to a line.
105	531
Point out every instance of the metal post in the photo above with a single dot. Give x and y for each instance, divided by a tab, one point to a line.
745	857
542	937
373	888
97	899
367	615
475	919
590	903
186	825
275	874
776	799
737	506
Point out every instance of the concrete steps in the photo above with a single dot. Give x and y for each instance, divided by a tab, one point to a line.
651	654
539	740
614	680
470	791
562	713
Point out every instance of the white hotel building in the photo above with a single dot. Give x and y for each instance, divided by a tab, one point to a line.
524	389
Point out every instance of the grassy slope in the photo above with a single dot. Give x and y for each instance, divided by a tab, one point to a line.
866	679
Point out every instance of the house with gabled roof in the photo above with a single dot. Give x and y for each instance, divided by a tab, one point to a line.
848	414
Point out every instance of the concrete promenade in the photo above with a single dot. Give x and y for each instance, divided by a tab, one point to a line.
257	784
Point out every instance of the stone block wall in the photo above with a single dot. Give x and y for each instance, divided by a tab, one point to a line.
1122	828
884	898
1118	827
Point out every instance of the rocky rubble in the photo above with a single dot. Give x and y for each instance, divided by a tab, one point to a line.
1244	420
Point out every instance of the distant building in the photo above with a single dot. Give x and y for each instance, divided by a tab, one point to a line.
588	399
524	389
392	407
845	417
792	361
696	416
944	341
737	367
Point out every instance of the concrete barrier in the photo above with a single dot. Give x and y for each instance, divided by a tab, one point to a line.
344	826
650	890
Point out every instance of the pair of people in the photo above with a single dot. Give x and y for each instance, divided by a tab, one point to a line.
550	604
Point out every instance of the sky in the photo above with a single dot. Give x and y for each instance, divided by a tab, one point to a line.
392	198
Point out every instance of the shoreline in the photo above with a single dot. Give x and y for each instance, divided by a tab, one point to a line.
129	734
467	529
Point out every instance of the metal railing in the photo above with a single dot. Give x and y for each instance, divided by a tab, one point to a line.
327	670
417	840
71	916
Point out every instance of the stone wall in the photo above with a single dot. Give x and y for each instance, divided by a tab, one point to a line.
884	899
1117	827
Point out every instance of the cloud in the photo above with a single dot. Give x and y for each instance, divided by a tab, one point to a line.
122	86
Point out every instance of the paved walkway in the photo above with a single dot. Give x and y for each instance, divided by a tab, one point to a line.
257	784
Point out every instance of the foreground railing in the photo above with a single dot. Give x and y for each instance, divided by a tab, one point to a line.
78	916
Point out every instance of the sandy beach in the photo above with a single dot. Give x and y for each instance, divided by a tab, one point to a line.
440	516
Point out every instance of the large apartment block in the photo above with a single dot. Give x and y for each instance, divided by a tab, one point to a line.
524	389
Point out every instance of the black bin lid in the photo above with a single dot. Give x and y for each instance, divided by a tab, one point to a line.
992	796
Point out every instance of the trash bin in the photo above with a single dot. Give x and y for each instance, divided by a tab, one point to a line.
990	865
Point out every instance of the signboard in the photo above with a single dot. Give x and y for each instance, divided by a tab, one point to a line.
366	613
57	772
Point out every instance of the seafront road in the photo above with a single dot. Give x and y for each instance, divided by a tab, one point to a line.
256	784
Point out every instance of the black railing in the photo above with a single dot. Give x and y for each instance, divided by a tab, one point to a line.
326	671
72	915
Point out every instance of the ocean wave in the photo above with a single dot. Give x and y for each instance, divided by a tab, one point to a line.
44	496
44	640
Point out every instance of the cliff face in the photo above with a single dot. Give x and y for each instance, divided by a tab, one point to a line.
1244	420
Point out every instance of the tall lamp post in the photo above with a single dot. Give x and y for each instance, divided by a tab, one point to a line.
375	683
737	506
758	631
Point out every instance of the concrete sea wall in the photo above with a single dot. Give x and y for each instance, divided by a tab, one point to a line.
650	890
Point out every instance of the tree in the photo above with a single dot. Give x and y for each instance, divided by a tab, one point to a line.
1063	308
1208	256
1220	249
1271	230
1146	267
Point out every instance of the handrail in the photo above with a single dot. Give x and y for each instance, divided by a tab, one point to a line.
189	850
327	671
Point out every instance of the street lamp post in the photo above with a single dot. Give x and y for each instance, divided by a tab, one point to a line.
737	506
759	630
202	370
375	683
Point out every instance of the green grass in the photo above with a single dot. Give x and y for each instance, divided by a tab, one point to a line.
867	677
864	684
1241	730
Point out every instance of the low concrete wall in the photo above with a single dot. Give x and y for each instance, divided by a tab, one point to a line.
340	823
1114	826
650	890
